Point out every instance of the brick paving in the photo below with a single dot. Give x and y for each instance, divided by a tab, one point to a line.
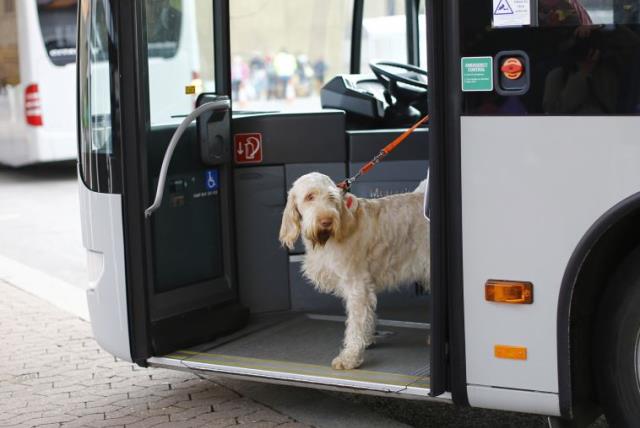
54	374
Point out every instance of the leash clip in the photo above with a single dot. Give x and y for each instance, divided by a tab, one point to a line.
345	185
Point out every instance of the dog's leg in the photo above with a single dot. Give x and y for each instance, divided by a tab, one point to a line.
371	326
360	325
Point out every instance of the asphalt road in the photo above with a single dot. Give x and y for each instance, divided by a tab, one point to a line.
40	220
40	229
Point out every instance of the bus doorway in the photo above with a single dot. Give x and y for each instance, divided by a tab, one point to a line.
203	284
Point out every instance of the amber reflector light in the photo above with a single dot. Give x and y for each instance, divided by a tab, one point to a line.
510	352
515	292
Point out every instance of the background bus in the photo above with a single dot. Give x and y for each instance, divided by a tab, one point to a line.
37	73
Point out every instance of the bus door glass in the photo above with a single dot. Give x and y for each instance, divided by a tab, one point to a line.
97	169
179	54
542	98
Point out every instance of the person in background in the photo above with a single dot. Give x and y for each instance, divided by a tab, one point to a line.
319	71
258	72
239	75
304	74
285	66
272	78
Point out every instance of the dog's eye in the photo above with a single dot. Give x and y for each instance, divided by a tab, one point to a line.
310	197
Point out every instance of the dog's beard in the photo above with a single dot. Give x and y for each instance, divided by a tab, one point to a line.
323	235
318	235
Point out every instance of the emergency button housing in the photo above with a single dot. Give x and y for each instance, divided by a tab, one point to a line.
512	73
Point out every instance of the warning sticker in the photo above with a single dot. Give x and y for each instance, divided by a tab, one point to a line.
477	74
248	148
511	13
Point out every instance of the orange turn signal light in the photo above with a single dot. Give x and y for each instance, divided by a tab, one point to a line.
515	292
510	352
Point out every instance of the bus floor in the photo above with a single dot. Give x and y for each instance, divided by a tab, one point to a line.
298	348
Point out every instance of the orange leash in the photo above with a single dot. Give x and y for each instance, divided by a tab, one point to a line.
345	185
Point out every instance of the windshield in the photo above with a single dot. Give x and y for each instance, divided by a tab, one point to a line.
283	51
58	25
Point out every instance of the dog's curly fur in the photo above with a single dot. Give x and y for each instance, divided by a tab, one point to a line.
356	248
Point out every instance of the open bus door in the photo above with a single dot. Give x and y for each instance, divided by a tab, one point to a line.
152	295
176	289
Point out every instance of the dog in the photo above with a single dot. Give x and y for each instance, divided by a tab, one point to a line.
356	248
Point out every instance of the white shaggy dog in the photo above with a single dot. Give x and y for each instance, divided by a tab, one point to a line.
356	248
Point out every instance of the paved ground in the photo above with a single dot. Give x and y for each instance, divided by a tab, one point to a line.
54	374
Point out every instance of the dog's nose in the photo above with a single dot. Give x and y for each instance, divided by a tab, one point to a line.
326	222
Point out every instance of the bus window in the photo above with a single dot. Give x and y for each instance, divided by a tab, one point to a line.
58	25
384	32
180	55
9	65
273	69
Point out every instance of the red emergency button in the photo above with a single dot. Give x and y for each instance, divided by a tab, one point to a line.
512	68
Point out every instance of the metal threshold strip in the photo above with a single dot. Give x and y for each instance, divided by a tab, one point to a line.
410	386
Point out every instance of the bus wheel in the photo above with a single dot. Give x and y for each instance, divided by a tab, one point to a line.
617	346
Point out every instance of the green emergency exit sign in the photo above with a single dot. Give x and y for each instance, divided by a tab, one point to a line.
477	74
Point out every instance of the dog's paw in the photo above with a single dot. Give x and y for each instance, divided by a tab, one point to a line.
346	362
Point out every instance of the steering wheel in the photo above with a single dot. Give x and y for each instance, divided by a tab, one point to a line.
409	89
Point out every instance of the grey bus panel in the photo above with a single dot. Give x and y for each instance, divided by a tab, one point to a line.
401	171
292	145
262	263
363	145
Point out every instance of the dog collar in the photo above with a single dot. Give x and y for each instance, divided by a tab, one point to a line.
349	201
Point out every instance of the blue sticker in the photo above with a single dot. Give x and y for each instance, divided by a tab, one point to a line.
211	181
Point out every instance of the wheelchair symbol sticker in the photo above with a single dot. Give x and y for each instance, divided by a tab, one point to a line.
211	180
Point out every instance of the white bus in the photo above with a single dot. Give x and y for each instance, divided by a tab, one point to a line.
37	74
532	151
38	82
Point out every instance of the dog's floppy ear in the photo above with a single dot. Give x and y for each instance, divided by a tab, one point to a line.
290	227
